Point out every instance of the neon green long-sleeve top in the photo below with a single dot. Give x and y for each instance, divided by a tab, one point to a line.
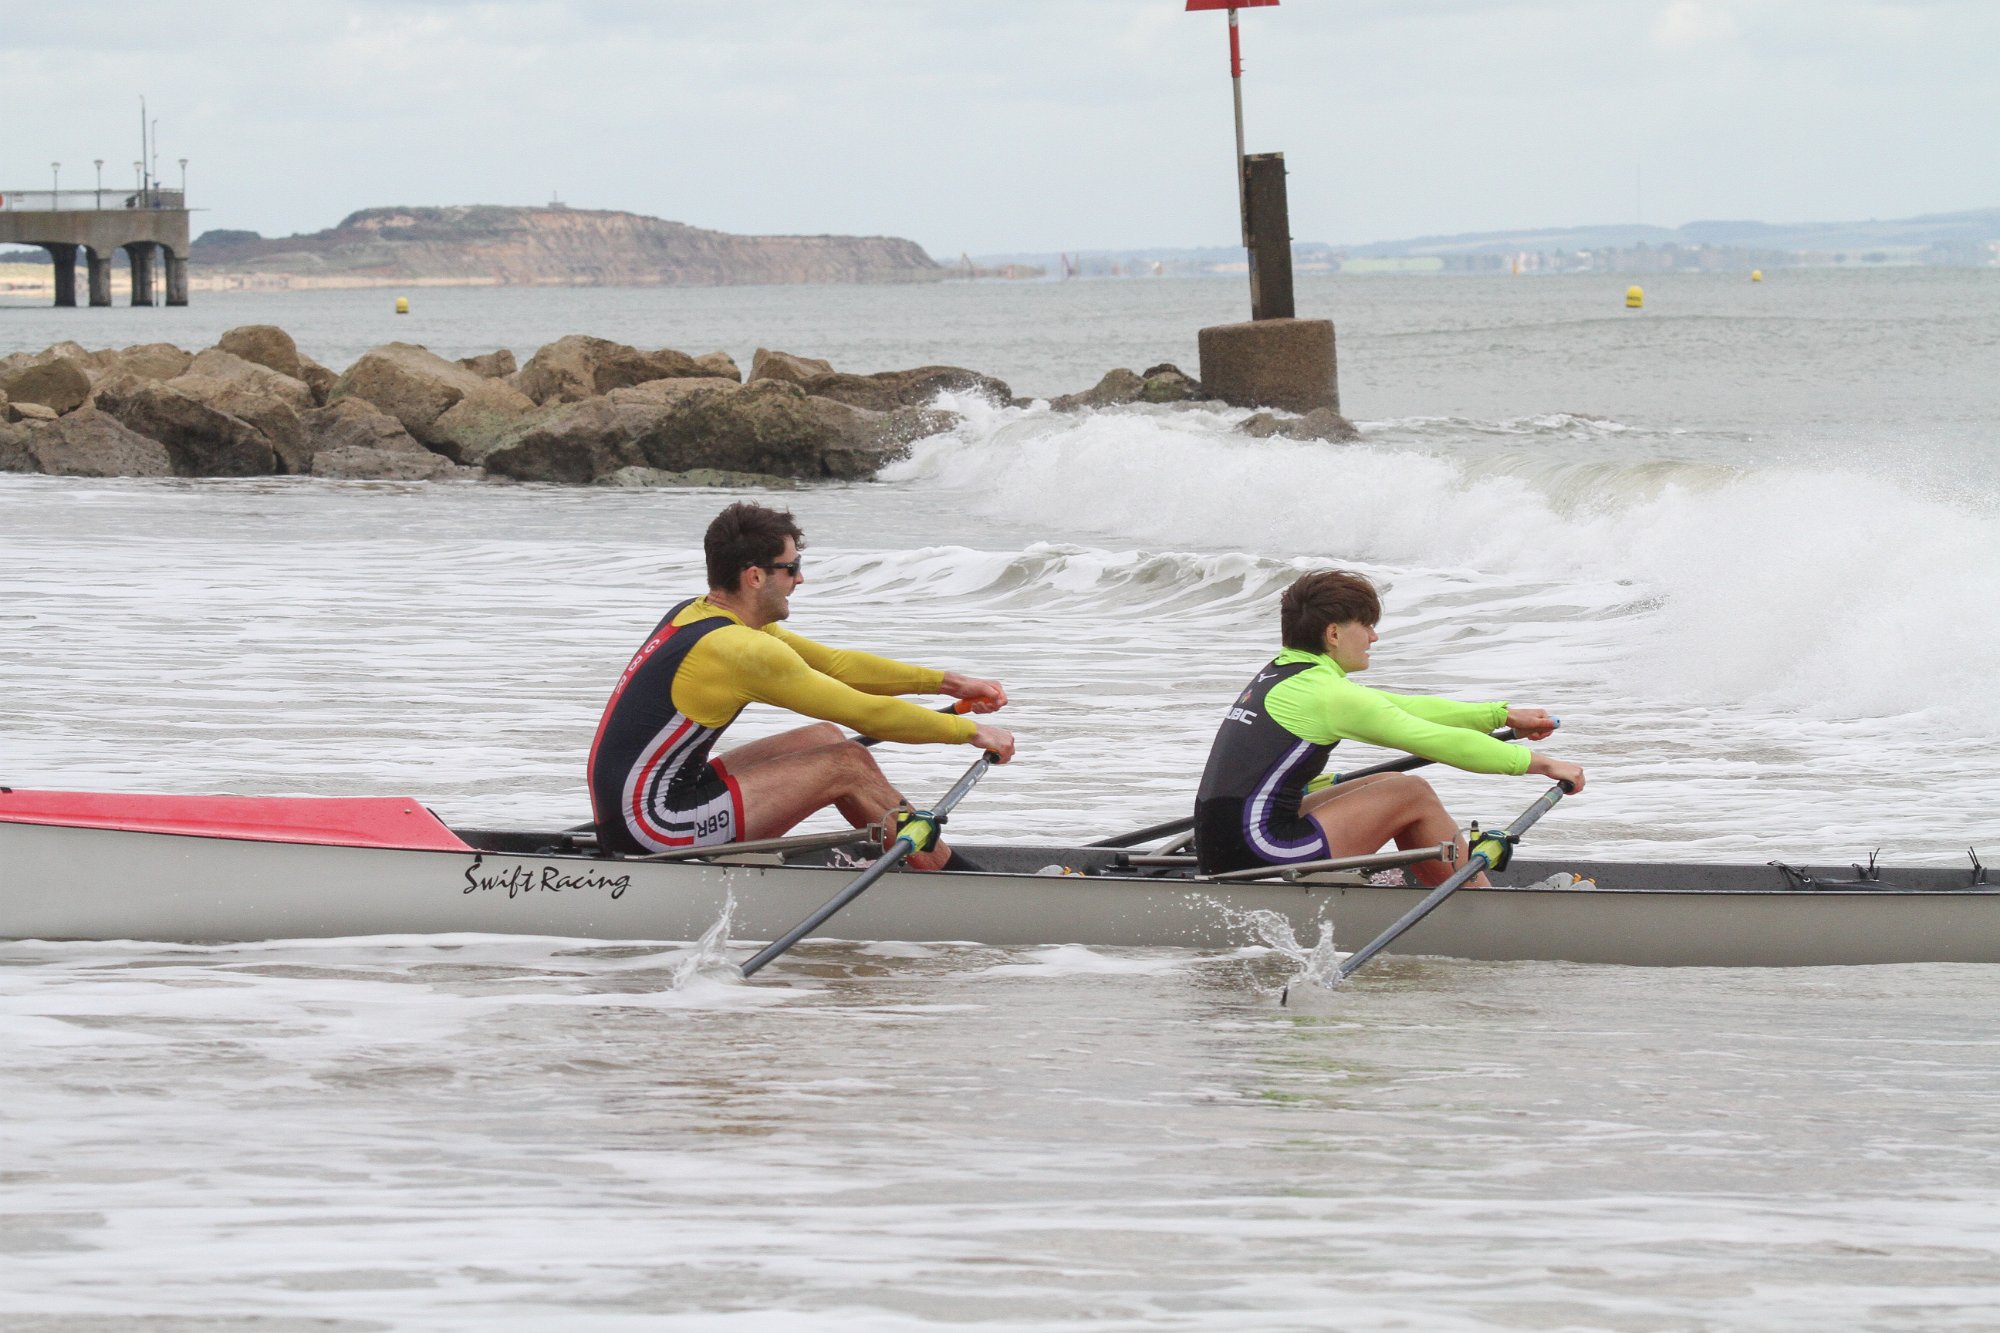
1323	705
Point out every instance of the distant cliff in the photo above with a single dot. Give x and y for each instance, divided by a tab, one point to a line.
555	246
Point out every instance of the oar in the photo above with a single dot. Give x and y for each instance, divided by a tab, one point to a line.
925	820
961	706
1403	765
1492	850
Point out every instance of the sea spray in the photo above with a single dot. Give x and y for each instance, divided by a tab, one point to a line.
1680	573
1315	968
710	962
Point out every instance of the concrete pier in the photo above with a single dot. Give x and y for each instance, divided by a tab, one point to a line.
138	222
100	277
65	256
140	253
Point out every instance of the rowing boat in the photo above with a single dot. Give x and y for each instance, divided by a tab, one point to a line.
97	866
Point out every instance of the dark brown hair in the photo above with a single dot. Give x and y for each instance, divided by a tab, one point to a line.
1321	599
744	535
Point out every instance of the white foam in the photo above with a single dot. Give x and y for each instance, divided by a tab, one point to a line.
1826	589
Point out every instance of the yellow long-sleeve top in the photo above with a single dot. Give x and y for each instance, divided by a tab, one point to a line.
736	665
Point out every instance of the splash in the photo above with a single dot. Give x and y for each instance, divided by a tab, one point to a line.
710	962
1316	968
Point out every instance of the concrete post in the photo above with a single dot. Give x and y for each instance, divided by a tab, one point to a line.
177	277
64	254
100	276
141	253
1287	363
1270	237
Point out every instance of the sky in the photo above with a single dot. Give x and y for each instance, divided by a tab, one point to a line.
1021	125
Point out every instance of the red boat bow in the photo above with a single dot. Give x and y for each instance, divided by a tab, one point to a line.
336	821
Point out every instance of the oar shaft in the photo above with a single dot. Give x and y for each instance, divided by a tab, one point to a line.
899	849
1474	863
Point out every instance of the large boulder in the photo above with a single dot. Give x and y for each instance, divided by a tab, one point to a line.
491	365
721	365
90	443
1322	423
318	378
71	350
51	379
148	361
573	442
201	440
357	441
577	367
486	415
388	465
1116	388
265	345
352	440
774	427
770	365
1168	383
216	364
417	387
663	393
252	393
354	423
890	389
14	455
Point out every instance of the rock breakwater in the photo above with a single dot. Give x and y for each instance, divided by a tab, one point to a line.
580	411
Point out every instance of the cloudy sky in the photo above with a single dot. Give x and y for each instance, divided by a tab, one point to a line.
1022	124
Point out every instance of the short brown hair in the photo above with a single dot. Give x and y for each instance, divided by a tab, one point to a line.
1317	601
744	535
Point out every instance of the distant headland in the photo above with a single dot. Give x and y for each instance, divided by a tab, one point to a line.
551	246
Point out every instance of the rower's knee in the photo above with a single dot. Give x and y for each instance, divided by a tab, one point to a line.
821	733
1411	788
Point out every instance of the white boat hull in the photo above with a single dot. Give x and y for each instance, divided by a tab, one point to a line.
70	883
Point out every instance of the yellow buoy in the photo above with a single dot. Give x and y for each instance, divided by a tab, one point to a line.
1635	297
1756	275
403	305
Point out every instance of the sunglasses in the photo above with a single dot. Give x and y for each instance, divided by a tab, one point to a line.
796	568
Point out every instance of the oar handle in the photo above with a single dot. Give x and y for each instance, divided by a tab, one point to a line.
900	848
958	706
1483	854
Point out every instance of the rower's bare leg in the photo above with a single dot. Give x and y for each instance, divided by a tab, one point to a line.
1362	816
785	778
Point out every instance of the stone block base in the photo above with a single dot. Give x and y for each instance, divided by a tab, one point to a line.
1285	363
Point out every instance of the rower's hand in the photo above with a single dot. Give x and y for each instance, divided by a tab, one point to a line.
981	696
997	741
1531	724
1560	769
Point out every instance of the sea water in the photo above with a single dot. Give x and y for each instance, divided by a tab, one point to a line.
1743	542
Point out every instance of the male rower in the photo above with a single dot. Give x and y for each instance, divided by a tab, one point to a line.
653	786
1253	807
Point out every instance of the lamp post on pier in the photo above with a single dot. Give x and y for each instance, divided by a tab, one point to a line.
98	162
184	182
55	184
